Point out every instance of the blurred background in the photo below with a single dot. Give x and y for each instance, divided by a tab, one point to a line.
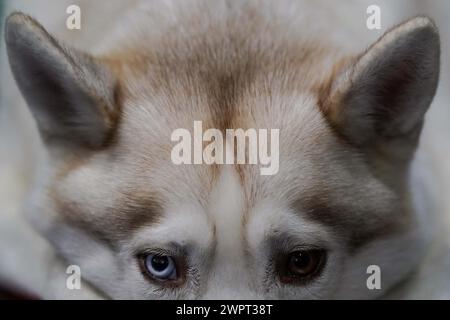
27	261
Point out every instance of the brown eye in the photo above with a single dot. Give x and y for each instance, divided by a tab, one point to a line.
301	265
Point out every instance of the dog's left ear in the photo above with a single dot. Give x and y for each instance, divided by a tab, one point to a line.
72	95
383	95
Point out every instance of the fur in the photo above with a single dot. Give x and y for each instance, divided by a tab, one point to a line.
105	186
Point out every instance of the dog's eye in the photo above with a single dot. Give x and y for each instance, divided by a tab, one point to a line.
301	265
160	267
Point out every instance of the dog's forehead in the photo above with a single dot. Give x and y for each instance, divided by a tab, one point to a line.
227	81
318	172
235	77
145	151
145	145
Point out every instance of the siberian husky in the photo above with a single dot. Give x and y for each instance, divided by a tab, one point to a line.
108	198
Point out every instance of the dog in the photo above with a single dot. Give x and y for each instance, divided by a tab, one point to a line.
108	198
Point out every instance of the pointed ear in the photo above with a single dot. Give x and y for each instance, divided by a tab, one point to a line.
383	95
71	94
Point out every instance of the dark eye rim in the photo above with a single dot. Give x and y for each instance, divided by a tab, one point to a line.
180	266
289	278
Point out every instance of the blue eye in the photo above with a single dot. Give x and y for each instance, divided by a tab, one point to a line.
161	267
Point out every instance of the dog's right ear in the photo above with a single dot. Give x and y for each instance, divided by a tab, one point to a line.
379	100
71	95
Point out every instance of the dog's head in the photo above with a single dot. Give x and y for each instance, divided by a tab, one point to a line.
110	200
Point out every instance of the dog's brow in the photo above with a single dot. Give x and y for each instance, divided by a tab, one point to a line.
133	212
137	210
356	228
